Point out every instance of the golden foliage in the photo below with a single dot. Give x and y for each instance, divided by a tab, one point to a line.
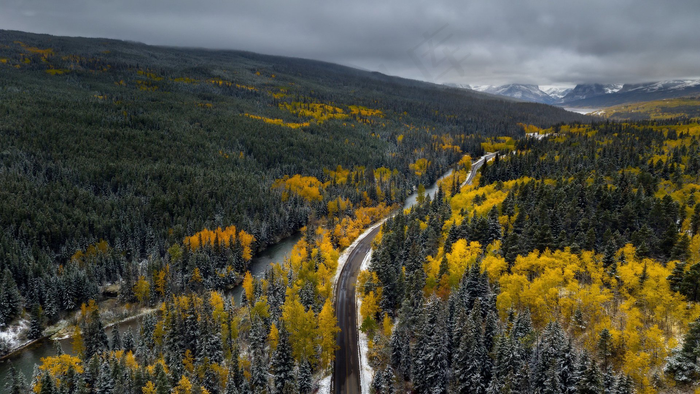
301	325
349	229
278	122
420	166
58	366
530	129
319	112
306	187
327	331
222	237
498	143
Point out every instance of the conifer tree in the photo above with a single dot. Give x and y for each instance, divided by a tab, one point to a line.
116	342
36	325
304	377
105	382
16	384
283	362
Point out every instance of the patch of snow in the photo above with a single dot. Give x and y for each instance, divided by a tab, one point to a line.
366	371
537	136
324	385
613	88
582	111
480	88
556	92
15	335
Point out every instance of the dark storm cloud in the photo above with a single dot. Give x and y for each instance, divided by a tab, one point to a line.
496	41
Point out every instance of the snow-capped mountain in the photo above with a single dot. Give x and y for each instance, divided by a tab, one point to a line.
587	90
660	86
631	93
592	95
521	92
556	92
477	88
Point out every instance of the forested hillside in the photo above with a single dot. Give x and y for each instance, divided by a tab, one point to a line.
571	266
658	109
112	153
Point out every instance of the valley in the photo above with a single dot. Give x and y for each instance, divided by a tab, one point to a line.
213	221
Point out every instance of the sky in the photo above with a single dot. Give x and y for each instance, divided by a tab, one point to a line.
545	42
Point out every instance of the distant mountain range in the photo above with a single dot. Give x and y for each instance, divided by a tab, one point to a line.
592	95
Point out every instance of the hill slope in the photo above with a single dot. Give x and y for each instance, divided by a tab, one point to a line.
143	146
658	109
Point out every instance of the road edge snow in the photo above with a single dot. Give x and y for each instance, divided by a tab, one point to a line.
366	371
346	253
324	385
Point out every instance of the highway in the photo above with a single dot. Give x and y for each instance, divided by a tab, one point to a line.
346	367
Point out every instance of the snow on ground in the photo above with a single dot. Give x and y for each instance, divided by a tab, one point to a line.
538	136
582	111
15	335
324	385
366	371
346	253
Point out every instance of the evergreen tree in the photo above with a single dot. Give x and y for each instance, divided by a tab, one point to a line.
36	323
259	371
105	382
400	353
231	386
690	286
48	386
676	277
94	335
116	343
129	341
589	379
211	380
16	384
605	346
695	220
282	362
304	377
9	299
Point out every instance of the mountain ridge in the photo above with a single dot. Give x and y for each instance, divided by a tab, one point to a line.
592	95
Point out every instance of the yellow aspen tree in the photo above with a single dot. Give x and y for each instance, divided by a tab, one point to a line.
196	276
274	336
327	330
370	306
302	328
149	388
142	290
184	386
248	286
160	281
386	325
78	342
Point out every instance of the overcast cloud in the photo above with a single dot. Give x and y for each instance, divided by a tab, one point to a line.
546	42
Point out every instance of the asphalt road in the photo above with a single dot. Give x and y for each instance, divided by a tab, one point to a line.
346	367
475	167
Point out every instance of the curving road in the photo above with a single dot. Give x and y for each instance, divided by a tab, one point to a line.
346	367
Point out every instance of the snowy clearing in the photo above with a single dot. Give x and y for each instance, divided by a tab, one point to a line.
15	335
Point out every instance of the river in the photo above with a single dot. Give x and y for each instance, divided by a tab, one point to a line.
26	359
429	191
